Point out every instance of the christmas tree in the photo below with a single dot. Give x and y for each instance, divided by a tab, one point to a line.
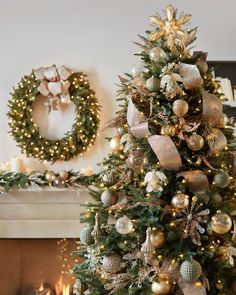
163	221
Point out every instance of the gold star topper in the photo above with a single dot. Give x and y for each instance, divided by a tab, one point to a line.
171	29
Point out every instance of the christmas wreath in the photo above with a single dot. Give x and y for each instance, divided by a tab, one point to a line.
60	86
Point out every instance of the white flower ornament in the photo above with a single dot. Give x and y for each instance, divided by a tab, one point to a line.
155	181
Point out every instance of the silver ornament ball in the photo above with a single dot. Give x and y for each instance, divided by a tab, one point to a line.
153	84
222	179
190	270
157	54
85	235
124	225
109	197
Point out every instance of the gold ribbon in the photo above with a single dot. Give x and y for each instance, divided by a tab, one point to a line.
191	77
54	84
212	108
162	145
166	151
219	141
197	180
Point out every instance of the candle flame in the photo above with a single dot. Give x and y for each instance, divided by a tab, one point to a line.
41	287
61	288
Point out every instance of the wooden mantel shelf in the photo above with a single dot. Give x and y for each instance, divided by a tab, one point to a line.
42	213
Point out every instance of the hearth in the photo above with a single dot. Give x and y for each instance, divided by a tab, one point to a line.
36	266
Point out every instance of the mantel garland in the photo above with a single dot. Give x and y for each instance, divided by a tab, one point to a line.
74	87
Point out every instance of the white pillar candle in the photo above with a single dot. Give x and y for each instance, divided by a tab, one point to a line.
17	165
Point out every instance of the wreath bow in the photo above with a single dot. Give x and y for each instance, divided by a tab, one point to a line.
54	84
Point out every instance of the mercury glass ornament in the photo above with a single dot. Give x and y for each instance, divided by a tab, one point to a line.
59	183
222	179
153	84
161	287
157	54
50	176
136	160
64	174
180	107
111	263
124	225
109	197
85	235
180	201
157	238
168	130
223	121
195	142
115	144
221	223
190	270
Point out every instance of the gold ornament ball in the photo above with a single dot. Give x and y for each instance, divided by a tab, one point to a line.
64	174
180	201
195	142
223	121
221	223
112	263
50	176
180	107
115	144
161	287
202	66
168	130
157	238
157	54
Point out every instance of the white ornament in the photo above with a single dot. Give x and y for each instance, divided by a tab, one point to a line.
153	84
138	69
124	225
155	180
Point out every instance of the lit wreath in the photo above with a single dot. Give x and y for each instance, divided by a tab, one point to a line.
61	86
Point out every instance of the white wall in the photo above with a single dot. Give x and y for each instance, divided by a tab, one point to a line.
94	36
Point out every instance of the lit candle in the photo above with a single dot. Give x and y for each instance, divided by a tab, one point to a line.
29	169
17	165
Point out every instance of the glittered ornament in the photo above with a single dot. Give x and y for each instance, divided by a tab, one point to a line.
50	176
111	178
136	160
168	130
180	201
64	174
153	84
195	142
157	238
161	287
148	249
221	223
111	263
59	183
223	121
190	270
124	225
85	235
109	197
180	107
157	54
97	228
202	66
115	144
222	179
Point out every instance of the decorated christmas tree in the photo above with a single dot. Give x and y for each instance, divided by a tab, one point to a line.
163	222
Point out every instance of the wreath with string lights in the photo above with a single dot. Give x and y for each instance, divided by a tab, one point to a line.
60	86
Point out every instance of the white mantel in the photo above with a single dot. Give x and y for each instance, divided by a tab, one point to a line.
43	213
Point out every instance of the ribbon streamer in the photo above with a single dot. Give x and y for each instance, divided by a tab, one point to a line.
134	116
197	181
141	130
194	288
166	151
219	141
191	76
212	108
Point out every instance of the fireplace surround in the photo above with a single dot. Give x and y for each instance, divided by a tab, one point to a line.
38	232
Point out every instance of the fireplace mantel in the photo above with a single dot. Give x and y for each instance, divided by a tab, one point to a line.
42	213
